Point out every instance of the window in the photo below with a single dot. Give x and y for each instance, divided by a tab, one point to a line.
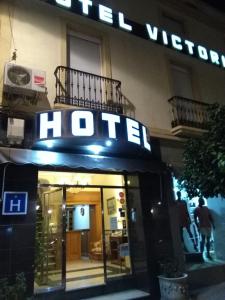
84	56
84	53
181	82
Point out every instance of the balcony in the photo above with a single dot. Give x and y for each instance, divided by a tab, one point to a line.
189	117
85	90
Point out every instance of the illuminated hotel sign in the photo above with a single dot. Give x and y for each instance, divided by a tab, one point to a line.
90	131
150	32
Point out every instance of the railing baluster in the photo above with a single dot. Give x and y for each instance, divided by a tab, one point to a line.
100	89
78	86
95	88
71	81
89	86
106	90
83	75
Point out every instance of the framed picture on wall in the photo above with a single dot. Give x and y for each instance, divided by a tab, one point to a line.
111	205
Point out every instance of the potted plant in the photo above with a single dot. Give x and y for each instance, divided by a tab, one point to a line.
173	283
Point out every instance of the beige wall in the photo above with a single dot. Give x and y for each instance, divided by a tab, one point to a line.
38	39
143	67
5	41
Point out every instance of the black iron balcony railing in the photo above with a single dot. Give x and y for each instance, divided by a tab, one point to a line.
82	89
187	112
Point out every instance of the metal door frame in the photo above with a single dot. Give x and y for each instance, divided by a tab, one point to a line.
101	188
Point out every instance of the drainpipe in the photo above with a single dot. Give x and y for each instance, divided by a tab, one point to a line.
3	181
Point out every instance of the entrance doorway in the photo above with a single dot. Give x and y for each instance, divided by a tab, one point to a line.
84	247
82	236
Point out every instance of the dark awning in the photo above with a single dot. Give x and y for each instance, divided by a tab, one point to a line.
78	161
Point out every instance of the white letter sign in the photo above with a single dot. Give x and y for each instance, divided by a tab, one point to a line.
66	3
55	125
152	32
133	134
122	24
85	6
112	120
146	144
88	118
105	14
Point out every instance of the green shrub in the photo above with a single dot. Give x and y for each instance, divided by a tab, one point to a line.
14	291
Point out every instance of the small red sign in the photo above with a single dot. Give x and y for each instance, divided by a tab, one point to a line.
39	80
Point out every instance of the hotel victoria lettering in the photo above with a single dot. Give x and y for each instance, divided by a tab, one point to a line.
147	31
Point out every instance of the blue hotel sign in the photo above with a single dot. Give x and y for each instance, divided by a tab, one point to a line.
15	203
146	31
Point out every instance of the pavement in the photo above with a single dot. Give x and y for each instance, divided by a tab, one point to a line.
215	292
125	295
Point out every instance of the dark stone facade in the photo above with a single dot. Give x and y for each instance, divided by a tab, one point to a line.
17	233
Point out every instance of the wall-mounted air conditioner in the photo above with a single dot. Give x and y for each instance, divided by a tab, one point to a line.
15	131
22	80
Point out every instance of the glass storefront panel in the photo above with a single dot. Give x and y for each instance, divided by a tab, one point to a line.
49	239
82	230
117	249
139	257
81	179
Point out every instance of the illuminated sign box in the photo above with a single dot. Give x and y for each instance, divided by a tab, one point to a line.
148	31
15	203
90	131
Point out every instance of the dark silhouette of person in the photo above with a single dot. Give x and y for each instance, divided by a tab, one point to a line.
184	221
204	222
82	211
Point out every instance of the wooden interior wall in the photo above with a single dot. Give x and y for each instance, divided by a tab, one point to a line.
73	245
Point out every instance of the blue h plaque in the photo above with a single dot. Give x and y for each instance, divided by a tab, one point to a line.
15	203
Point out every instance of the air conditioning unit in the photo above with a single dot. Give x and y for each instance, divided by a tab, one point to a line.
23	81
15	131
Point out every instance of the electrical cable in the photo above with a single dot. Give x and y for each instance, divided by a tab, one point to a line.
14	55
12	35
3	181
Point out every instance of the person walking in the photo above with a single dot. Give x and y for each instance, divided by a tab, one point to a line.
184	221
204	222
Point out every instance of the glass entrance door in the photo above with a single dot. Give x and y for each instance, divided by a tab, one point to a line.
89	212
49	239
84	247
117	248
